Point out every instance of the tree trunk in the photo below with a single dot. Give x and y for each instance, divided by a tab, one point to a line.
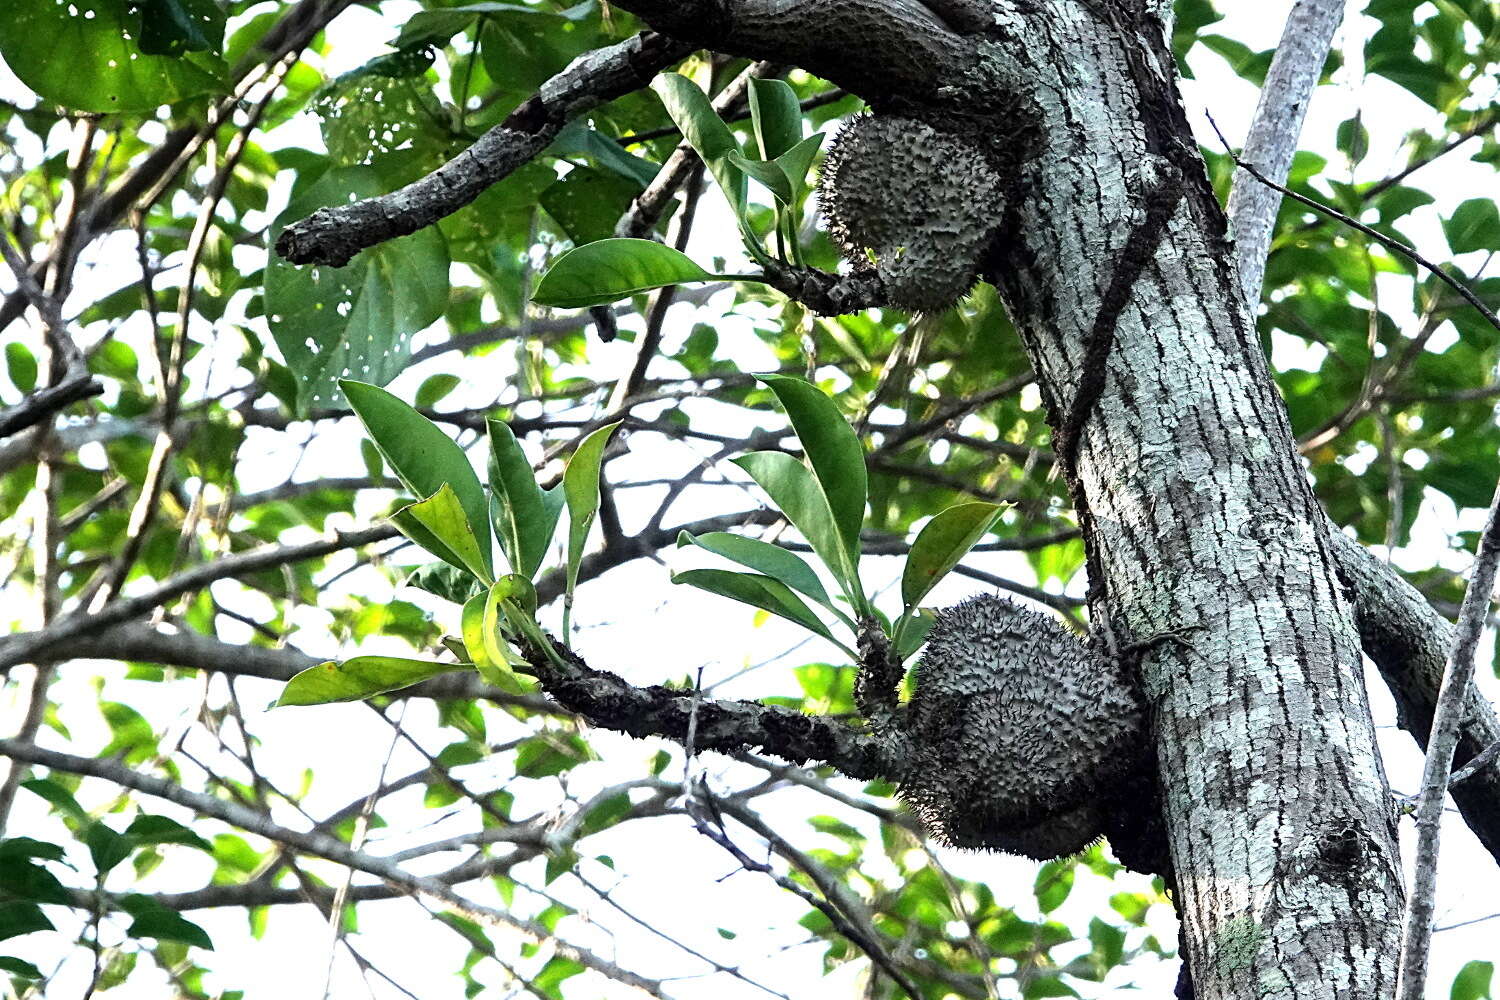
1209	558
1198	515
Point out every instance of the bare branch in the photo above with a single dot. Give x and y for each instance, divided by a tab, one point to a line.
608	701
319	845
1452	706
1272	141
334	235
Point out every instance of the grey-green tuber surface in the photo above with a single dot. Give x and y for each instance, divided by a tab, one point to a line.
1019	732
918	204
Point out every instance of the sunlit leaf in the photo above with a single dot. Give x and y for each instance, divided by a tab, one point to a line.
359	678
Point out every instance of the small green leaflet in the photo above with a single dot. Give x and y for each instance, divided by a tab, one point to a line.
359	678
606	271
438	525
941	543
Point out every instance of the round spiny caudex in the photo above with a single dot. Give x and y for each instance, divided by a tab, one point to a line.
920	205
1019	732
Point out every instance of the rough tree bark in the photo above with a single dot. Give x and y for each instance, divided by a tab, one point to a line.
1115	265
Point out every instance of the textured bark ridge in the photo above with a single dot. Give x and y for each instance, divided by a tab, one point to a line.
1018	732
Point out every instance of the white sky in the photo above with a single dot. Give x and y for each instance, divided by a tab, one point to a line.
635	623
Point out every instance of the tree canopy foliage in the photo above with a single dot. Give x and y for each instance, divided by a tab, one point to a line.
216	464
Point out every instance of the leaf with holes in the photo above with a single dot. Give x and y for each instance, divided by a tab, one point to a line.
355	321
105	56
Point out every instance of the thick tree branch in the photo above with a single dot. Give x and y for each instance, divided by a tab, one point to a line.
334	235
1409	643
1272	141
21	648
609	701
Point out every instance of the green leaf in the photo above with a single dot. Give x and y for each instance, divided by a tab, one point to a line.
693	113
523	523
176	27
19	968
767	173
760	592
1054	881
90	55
421	455
355	321
446	581
1473	981
581	487
433	389
912	632
833	449
797	161
58	797
20	364
588	202
152	920
21	918
25	879
107	848
1474	225
27	847
147	829
776	116
941	543
609	270
796	492
359	678
439	524
772	560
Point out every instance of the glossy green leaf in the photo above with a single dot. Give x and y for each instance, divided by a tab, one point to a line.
107	847
440	525
22	918
609	270
20	365
797	161
149	829
941	543
833	450
88	55
19	968
472	629
768	174
421	455
356	321
25	879
912	631
776	116
693	113
796	492
445	580
581	488
523	524
1054	882
772	560
433	389
1474	225
757	591
152	920
359	678
1473	982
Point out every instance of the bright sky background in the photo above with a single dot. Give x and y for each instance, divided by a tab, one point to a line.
634	622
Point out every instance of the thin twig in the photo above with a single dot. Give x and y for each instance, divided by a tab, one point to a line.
1393	244
1451	708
